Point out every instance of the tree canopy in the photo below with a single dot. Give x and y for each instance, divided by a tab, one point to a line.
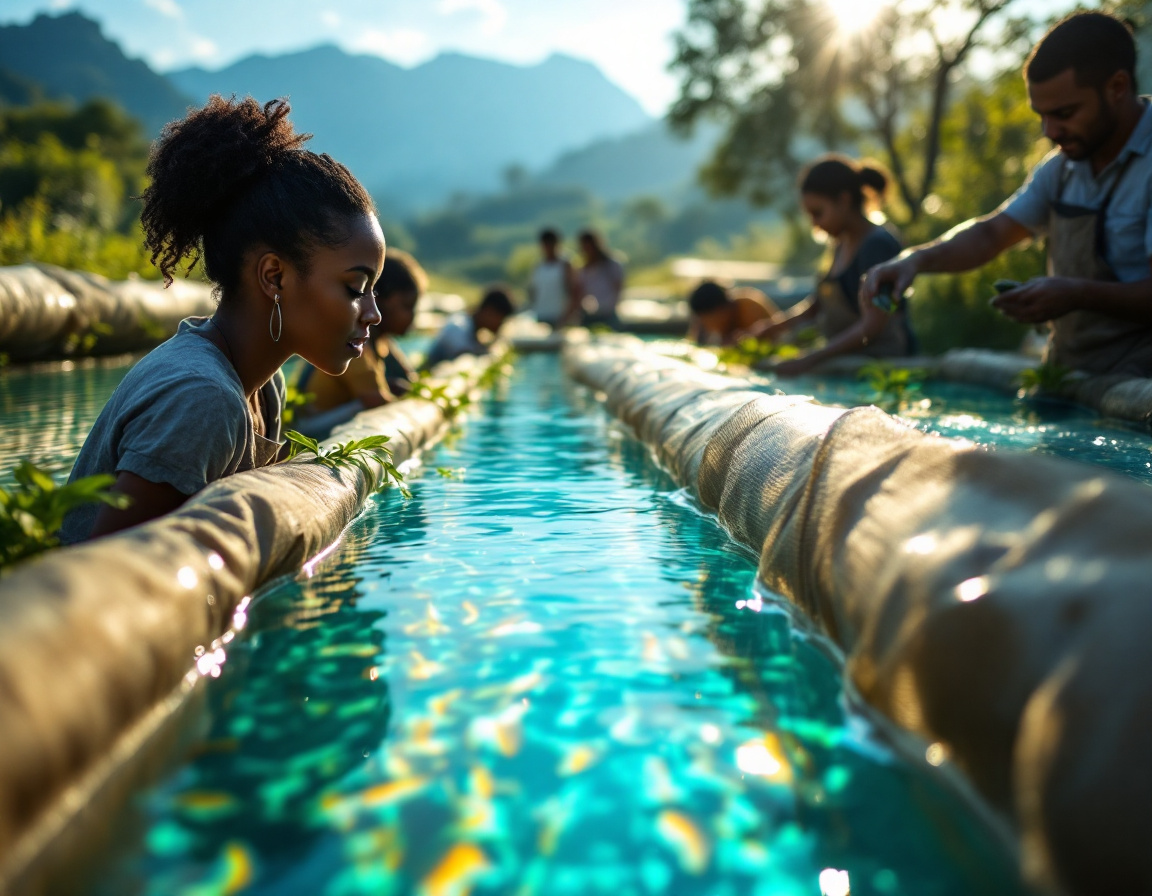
790	80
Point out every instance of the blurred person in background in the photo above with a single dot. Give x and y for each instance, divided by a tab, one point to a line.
1091	198
838	194
461	334
554	290
601	282
721	316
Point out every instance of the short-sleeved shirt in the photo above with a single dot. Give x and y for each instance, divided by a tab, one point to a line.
1128	222
458	337
603	280
179	417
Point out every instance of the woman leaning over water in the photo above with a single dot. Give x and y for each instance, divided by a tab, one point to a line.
291	242
837	194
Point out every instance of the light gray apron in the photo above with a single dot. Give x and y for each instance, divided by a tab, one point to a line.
1085	340
837	314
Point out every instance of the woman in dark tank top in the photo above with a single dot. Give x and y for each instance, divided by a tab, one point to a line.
837	193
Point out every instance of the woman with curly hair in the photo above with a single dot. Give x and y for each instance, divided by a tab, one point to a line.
291	242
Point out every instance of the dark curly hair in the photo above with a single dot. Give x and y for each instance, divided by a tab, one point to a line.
233	175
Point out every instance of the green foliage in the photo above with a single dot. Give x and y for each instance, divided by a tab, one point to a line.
776	70
450	401
892	387
456	473
294	399
32	513
1044	378
66	178
85	341
750	351
354	453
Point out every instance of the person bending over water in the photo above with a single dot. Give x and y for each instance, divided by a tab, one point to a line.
836	193
461	334
291	242
722	316
1091	198
383	372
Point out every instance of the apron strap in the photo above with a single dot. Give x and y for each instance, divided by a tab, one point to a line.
1102	211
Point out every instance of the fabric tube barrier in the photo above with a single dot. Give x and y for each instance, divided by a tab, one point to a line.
999	605
49	313
99	643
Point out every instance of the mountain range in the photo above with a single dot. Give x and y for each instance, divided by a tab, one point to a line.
413	136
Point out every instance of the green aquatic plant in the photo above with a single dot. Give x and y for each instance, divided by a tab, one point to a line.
750	351
1044	378
32	513
450	402
354	453
892	386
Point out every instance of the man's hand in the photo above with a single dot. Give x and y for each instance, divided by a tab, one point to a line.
1039	300
899	272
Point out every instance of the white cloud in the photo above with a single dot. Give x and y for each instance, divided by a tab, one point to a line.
201	49
168	8
493	12
406	46
331	18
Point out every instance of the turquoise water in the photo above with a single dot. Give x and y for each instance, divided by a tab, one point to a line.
545	673
1002	421
45	413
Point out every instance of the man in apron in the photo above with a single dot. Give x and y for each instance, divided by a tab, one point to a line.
1091	197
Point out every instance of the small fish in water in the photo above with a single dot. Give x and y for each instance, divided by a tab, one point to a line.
393	792
421	668
207	802
576	760
692	847
456	872
237	868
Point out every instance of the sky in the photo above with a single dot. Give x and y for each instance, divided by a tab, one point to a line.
629	40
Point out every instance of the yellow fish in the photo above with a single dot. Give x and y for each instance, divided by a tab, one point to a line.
455	873
692	847
237	868
393	791
576	760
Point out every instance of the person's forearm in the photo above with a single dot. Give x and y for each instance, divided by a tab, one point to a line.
967	246
855	338
803	311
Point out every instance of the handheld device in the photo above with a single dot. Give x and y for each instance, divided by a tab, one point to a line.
1005	285
886	299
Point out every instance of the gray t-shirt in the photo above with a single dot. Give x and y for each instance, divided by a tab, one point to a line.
180	416
1128	222
458	337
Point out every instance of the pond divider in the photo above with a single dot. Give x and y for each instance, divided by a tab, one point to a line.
999	605
103	645
50	313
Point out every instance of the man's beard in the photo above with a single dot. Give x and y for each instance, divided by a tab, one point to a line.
1102	129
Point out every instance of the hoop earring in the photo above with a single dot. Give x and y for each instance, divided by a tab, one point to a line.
278	316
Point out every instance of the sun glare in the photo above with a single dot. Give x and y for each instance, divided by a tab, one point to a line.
854	16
